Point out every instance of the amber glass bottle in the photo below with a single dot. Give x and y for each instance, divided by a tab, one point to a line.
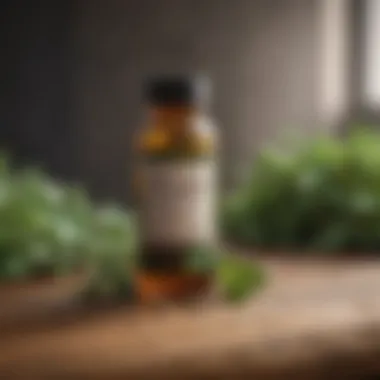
177	184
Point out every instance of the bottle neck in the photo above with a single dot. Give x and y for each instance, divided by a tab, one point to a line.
172	117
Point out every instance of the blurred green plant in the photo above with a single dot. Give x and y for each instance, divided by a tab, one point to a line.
236	278
49	228
324	196
113	256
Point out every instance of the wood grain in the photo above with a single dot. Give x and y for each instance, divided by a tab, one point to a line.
316	320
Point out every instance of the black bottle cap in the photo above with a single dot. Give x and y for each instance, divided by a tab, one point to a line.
177	90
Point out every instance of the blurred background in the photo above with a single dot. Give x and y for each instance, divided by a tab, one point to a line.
71	74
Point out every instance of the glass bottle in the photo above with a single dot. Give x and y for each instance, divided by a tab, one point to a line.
177	191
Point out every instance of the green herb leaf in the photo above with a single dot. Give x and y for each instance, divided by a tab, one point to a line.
238	278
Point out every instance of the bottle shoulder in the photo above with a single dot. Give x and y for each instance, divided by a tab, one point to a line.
197	136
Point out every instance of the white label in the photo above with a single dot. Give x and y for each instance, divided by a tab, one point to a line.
178	202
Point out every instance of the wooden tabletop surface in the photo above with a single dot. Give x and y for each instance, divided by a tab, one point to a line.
315	320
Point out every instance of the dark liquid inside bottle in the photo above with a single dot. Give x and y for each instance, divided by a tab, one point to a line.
177	192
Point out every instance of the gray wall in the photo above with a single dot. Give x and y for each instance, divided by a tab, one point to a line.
73	70
35	74
260	54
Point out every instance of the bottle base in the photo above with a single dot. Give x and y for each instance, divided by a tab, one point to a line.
160	287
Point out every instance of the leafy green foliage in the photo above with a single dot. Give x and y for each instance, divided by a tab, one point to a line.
324	196
47	227
236	278
239	278
114	257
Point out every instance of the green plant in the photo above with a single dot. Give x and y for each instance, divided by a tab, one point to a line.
113	255
323	196
236	278
47	227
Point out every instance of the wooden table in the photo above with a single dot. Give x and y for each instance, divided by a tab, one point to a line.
316	320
